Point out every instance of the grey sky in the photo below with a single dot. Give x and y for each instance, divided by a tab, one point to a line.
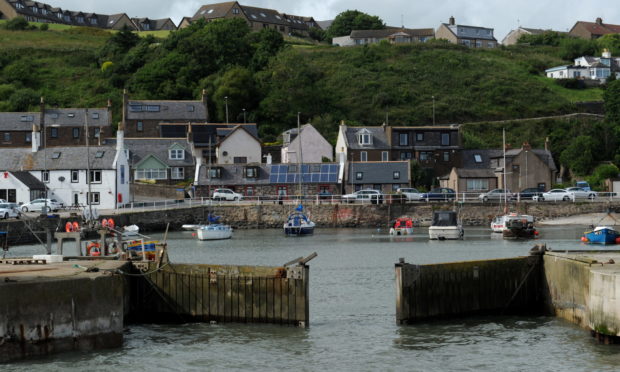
502	15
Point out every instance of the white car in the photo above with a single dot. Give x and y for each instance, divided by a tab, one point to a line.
8	210
39	205
580	193
373	196
555	195
226	194
410	193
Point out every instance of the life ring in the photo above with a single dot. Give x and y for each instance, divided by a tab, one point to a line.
76	226
110	223
69	227
93	249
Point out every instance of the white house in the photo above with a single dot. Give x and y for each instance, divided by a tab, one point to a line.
239	146
567	72
588	67
64	172
314	147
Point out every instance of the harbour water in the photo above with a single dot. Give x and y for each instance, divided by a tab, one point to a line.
352	306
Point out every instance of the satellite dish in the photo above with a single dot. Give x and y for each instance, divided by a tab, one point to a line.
61	179
225	153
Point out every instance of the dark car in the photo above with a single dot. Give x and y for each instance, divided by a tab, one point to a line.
325	194
440	194
528	194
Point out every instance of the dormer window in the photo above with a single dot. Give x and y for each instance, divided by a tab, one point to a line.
215	173
364	137
176	154
250	172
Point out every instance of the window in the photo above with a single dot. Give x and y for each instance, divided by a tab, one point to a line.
190	108
395	187
250	172
54	132
176	154
56	155
75	176
384	156
491	44
419	137
377	186
95	115
97	132
122	174
99	154
542	186
403	139
178	173
396	175
478	43
358	187
151	174
95	176
45	176
446	156
214	173
7	137
26	118
93	198
240	159
477	184
235	11
467	43
445	139
405	155
359	175
93	21
423	156
477	158
364	138
363	156
28	137
140	126
76	132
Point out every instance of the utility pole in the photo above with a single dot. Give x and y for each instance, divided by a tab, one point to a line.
433	97
226	103
243	116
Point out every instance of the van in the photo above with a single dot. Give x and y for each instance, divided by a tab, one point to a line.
583	184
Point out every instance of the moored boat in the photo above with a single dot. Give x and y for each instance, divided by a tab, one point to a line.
402	226
601	235
214	232
445	226
514	225
298	224
191	227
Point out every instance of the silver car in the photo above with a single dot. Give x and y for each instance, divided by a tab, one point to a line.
8	210
372	196
410	193
580	193
39	205
496	194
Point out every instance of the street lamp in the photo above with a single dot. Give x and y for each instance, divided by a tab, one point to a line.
226	103
243	116
433	97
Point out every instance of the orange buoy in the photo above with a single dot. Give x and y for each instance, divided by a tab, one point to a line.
104	223
68	227
618	240
584	239
93	249
110	223
76	226
536	232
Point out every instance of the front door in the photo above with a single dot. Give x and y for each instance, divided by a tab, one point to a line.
76	198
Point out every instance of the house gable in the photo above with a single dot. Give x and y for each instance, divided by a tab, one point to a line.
151	162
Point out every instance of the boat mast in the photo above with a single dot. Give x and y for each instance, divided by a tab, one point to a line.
299	159
89	195
504	170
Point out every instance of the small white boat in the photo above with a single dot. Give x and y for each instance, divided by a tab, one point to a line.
402	226
191	227
131	231
214	232
298	224
445	226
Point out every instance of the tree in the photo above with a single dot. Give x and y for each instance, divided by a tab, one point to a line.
578	155
350	20
266	44
16	24
612	102
119	44
610	42
573	48
238	85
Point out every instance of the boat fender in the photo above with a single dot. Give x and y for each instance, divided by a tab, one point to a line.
93	249
392	231
69	227
584	239
618	240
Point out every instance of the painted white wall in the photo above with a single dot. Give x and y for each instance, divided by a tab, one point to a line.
313	147
343	41
239	144
11	182
341	143
121	164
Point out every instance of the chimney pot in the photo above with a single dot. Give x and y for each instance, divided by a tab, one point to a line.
452	21
599	21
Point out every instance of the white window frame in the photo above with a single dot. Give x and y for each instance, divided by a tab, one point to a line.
477	184
176	154
95	176
93	198
363	155
177	173
150	174
385	156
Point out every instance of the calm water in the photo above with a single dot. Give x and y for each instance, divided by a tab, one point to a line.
352	314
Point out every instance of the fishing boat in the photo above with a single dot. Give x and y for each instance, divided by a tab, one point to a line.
601	235
298	224
518	226
445	226
214	230
143	248
130	231
402	226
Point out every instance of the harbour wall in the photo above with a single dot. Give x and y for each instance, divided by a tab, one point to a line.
272	215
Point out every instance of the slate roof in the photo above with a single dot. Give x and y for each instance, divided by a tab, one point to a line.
469	162
18	121
379	138
325	24
232	174
72	117
599	29
22	159
462	31
223	133
141	148
212	11
168	110
475	173
382	34
378	172
253	14
154	24
544	155
30	181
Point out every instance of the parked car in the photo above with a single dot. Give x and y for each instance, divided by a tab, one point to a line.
411	194
325	194
440	193
39	205
497	195
373	196
529	193
8	210
3	201
581	193
226	194
555	195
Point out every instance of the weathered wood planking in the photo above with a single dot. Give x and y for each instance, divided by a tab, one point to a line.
212	293
446	290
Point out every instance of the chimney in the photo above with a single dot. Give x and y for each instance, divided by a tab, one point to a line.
526	146
36	138
599	21
120	138
269	159
43	140
190	133
451	22
123	123
204	102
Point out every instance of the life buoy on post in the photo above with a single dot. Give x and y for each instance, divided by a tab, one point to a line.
104	223
76	226
110	223
68	227
93	249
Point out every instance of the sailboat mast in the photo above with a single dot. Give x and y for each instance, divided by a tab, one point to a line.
504	168
299	159
88	175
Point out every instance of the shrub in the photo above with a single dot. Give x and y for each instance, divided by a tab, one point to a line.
44	27
570	83
106	65
16	24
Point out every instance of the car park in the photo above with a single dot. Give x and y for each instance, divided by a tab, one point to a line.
410	194
8	210
555	195
226	194
440	194
496	195
39	205
368	195
581	193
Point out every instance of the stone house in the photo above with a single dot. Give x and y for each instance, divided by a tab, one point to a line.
257	18
593	30
526	168
314	147
363	143
470	36
514	35
146	24
394	35
386	177
474	174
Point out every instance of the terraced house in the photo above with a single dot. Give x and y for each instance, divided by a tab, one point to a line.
257	18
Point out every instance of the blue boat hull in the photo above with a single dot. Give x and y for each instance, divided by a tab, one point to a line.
602	237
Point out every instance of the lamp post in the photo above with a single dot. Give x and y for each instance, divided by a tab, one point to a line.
243	116
226	103
433	97
526	185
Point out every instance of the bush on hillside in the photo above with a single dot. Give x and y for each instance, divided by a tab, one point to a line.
16	24
570	83
44	27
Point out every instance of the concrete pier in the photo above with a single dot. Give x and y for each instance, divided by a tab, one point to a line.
51	308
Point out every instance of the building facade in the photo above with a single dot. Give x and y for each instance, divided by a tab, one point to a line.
593	30
394	35
309	147
469	36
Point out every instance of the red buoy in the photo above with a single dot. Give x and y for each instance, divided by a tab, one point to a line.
584	239
618	240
